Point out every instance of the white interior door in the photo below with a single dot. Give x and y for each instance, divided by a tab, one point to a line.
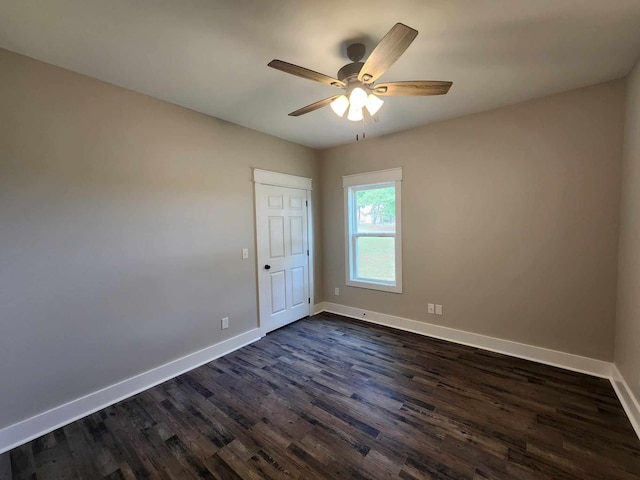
283	255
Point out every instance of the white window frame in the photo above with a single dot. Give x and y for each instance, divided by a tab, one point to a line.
352	184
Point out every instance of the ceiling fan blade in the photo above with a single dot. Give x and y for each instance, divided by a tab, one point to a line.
416	88
313	106
305	73
387	52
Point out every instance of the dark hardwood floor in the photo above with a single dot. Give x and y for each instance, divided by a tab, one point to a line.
330	397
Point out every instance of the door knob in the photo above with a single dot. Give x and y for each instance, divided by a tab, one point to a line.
267	267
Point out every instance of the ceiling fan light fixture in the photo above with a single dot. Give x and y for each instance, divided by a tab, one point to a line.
373	104
340	105
358	98
355	114
358	78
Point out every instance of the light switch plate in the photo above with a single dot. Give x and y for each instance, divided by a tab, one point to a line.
245	253
431	308
438	309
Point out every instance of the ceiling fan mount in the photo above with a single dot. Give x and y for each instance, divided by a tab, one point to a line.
355	52
357	78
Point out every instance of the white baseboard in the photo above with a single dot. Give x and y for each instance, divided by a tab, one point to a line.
317	308
45	422
627	399
568	361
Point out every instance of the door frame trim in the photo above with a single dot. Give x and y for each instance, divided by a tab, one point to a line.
281	179
266	177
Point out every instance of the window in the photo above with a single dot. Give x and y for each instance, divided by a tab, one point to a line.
373	245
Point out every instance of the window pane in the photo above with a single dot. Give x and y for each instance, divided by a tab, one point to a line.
376	210
376	258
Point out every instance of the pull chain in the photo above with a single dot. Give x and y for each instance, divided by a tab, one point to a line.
364	136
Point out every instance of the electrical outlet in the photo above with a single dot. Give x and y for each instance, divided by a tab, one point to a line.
438	309
245	253
337	291
431	308
225	323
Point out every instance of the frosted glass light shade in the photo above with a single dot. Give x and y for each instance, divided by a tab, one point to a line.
373	104
355	114
340	105
358	98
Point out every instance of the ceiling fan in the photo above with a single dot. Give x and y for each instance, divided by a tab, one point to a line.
357	78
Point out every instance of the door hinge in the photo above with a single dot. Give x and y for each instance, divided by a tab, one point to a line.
307	253
309	300
306	202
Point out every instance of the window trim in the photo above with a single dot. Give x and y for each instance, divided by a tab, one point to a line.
351	184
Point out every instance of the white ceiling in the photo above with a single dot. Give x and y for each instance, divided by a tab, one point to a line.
212	55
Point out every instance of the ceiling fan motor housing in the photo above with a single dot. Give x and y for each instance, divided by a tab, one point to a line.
349	71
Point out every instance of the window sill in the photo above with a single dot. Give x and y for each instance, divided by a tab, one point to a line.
375	286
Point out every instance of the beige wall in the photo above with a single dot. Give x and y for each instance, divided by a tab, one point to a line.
628	313
122	220
510	220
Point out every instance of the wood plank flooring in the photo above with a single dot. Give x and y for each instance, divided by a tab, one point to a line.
333	398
